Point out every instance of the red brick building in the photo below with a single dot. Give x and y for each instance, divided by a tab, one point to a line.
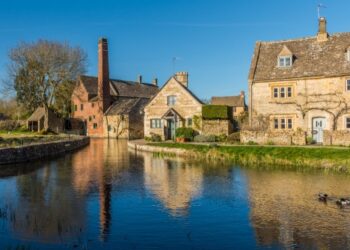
96	99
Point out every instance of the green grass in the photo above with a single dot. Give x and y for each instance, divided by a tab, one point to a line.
333	159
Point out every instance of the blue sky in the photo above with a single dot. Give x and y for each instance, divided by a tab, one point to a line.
212	39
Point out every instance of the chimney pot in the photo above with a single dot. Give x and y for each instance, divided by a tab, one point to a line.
139	79
322	34
182	77
155	81
242	94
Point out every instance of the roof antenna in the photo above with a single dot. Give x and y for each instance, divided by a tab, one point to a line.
319	6
175	58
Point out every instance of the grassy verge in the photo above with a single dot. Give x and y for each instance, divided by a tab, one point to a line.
299	158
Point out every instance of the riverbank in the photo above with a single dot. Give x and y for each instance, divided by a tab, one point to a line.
39	149
279	157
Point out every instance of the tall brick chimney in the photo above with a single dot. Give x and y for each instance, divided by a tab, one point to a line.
103	74
182	77
322	34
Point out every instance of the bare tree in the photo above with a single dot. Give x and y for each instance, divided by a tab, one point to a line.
44	74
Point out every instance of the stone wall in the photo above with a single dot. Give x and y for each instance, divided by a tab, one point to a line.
339	137
216	127
273	137
39	151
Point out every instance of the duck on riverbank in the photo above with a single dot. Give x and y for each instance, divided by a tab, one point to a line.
323	197
343	202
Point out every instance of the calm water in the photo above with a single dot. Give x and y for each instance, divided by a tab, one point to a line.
106	197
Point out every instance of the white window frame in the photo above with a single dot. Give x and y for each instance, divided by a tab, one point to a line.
275	91
282	61
289	122
275	123
283	123
156	123
171	100
282	91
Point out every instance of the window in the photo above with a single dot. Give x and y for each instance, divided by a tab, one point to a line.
81	107
92	105
189	122
75	107
275	92
283	123
282	93
90	118
348	85
171	100
290	123
289	92
347	122
95	126
275	123
284	61
109	128
156	123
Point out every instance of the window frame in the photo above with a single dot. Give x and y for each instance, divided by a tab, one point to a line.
275	123
81	107
283	123
189	122
275	92
282	92
282	61
289	123
346	122
347	85
171	100
94	126
156	123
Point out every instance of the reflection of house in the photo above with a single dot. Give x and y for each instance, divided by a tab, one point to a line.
301	83
174	106
237	103
94	96
175	184
285	211
45	119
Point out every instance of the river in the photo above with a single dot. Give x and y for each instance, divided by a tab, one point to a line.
108	197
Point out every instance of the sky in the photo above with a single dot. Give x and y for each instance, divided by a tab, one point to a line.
213	40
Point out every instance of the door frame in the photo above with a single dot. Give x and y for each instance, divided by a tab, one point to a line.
316	137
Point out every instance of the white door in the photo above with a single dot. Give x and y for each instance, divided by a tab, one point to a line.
318	125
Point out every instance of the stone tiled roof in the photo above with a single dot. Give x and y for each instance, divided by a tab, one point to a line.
126	105
233	101
310	58
120	88
37	114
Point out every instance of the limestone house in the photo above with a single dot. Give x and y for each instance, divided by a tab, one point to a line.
174	106
237	103
109	107
302	85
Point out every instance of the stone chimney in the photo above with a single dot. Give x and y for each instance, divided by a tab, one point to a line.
322	34
242	94
182	77
139	79
155	82
103	74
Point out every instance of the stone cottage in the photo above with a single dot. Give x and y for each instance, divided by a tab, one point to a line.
108	107
302	86
174	106
236	103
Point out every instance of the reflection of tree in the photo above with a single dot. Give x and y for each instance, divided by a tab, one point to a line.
175	184
285	210
47	209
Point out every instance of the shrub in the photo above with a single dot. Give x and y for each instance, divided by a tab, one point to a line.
310	140
153	138
9	125
214	112
204	138
234	137
269	142
221	138
187	133
252	143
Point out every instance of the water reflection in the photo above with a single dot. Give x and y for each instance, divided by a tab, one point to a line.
174	183
285	210
106	196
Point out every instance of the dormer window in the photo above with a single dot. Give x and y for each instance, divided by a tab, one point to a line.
285	58
284	61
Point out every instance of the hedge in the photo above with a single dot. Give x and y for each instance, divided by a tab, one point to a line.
216	112
184	132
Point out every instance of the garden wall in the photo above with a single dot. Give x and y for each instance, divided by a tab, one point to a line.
339	137
216	127
39	151
273	137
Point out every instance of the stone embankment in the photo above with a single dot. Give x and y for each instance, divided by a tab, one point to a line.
139	145
32	152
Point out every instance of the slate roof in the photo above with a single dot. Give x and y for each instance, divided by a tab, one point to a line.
233	101
310	58
126	105
120	88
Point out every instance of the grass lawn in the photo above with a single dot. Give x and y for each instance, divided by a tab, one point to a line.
315	157
20	138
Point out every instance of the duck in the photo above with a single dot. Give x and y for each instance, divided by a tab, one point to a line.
322	197
343	202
